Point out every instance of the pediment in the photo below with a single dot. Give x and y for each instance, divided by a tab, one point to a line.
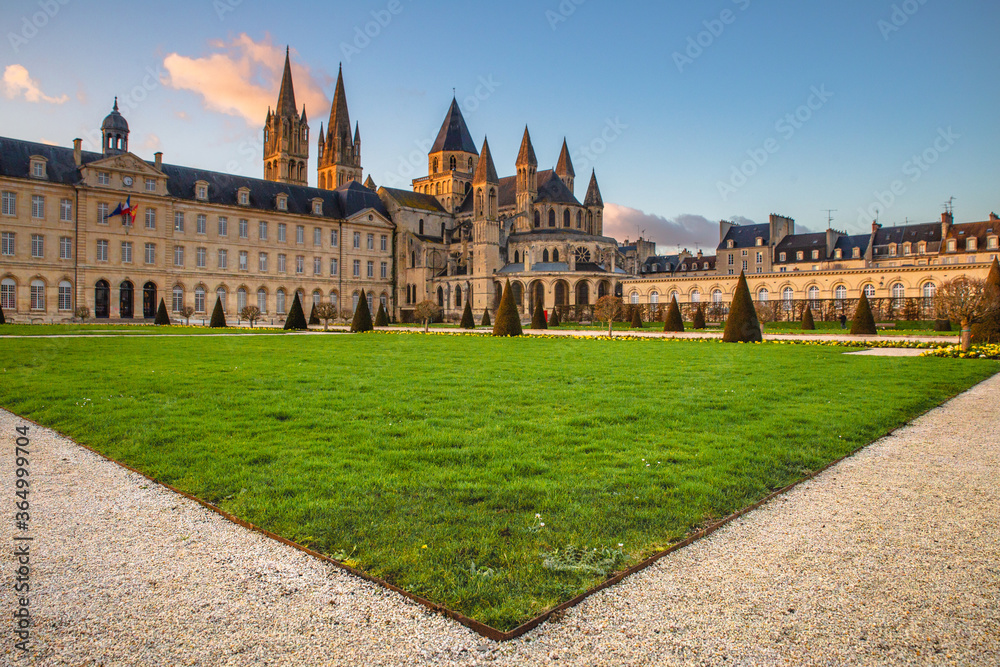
378	220
126	162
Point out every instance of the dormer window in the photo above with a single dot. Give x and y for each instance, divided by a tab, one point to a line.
201	190
971	244
892	250
922	247
952	245
150	185
282	202
38	167
684	267
838	254
906	248
800	255
243	196
815	254
656	268
856	253
731	244
317	207
782	257
992	242
760	241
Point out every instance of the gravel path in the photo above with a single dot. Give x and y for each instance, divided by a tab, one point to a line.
891	557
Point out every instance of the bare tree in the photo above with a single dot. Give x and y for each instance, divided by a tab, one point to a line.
83	313
326	312
251	314
967	300
186	312
426	312
607	309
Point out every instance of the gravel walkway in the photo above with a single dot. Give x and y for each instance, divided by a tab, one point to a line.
891	557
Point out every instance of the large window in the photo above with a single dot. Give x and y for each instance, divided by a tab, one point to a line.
102	250
334	238
787	295
357	269
37	246
223	226
241	300
37	295
357	240
869	290
840	293
300	234
282	263
178	222
65	247
371	242
262	262
279	299
7	243
244	260
384	243
201	258
317	236
717	296
202	224
9	203
300	264
37	206
384	270
317	266
814	297
8	293
150	218
150	251
223	259
179	255
66	210
371	269
262	300
262	230
244	229
178	299
763	295
898	295
282	232
695	296
199	299
333	267
65	295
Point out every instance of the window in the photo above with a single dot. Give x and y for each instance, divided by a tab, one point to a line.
991	243
37	295
38	169
744	265
262	300
244	229
66	210
970	244
9	203
763	295
732	260
8	293
221	293
300	234
317	266
202	192
262	230
202	224
814	297
241	299
717	296
786	296
300	264
65	247
150	218
201	258
633	298
333	267
334	238
318	208
892	250
178	222
898	294
223	226
102	214
745	253
357	240
282	263
384	243
760	257
244	260
150	252
102	250
552	218
262	262
281	232
317	236
654	298
838	254
223	259
199	299
371	241
869	291
384	270
7	243
930	291
103	178
781	257
538	219
37	206
856	253
65	295
906	248
126	252
279	298
800	255
695	296
244	198
282	204
371	269
179	255
840	293
357	268
759	241
150	185
814	256
177	299
37	246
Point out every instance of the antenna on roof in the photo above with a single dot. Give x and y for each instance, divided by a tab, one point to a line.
829	217
949	206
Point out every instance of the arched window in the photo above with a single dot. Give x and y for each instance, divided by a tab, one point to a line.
453	163
552	217
65	295
37	295
517	257
8	294
199	299
555	255
673	295
654	297
177	299
470	166
566	218
371	301
870	291
717	296
545	256
763	295
695	296
241	299
538	219
579	219
787	295
279	302
840	293
930	291
458	296
420	227
440	298
435	168
335	299
384	300
814	297
633	298
898	294
221	293
317	297
262	300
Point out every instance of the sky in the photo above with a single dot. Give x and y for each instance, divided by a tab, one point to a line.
690	113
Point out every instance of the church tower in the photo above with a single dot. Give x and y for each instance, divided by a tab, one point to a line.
485	229
286	137
595	207
527	183
339	154
451	162
564	168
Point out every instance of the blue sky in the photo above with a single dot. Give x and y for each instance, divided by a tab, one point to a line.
690	112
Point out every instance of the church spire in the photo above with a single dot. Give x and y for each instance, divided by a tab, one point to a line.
593	192
564	168
486	171
286	135
286	96
526	156
341	160
339	126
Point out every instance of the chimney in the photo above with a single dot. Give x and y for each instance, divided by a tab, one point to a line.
993	217
946	222
158	159
700	254
875	226
78	152
724	228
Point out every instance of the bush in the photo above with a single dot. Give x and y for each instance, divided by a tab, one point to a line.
742	325
674	322
863	323
162	318
508	320
699	318
538	317
554	320
83	313
486	318
636	317
326	312
988	331
218	316
468	321
312	316
362	321
251	314
808	323
382	318
186	312
296	320
427	311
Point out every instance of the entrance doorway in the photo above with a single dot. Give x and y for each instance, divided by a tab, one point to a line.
126	302
102	300
149	301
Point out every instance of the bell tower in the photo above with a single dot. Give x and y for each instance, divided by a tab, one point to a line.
339	154
527	183
485	229
286	137
114	130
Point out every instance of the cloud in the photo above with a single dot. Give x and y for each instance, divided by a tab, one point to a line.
684	231
17	81
242	79
151	143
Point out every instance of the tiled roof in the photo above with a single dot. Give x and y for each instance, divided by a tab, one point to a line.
416	200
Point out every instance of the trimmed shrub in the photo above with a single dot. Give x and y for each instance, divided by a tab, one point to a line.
162	318
468	321
742	325
312	316
636	318
508	321
296	320
218	316
988	331
538	317
864	322
3	320
699	318
554	320
808	323
382	317
674	322
486	319
362	321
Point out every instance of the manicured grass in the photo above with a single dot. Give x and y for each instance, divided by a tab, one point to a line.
433	461
121	329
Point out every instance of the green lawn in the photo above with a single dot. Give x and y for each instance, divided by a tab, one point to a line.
425	459
122	329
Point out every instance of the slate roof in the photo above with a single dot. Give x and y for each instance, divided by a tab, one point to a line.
565	164
454	134
804	243
981	231
847	244
698	263
663	263
552	190
593	197
417	200
745	236
930	233
486	172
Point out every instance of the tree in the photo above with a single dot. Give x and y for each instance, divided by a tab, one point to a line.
312	315
162	318
742	325
362	321
251	314
427	311
84	313
636	322
296	319
326	312
486	319
554	320
468	321
186	312
699	318
382	317
508	319
967	300
864	322
538	317
674	322
988	330
808	323
218	320
607	309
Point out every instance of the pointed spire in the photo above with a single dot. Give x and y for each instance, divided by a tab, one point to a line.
593	192
286	96
340	118
486	171
304	118
370	183
357	132
322	133
526	156
454	134
565	166
116	104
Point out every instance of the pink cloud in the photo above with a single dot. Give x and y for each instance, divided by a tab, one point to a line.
684	231
17	82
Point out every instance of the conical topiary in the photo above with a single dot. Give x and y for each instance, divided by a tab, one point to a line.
808	324
382	317
468	321
742	325
674	322
863	323
636	318
3	320
296	320
508	321
162	318
554	320
486	319
699	318
312	316
988	331
538	316
218	315
362	321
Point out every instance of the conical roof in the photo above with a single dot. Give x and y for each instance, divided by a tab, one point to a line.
454	134
593	192
370	183
526	156
340	118
486	171
286	96
115	121
565	164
